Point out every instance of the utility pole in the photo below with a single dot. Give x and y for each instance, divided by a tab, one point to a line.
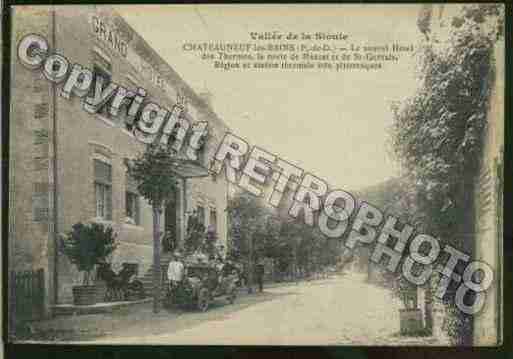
156	259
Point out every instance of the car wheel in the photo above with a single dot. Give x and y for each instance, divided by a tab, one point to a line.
203	300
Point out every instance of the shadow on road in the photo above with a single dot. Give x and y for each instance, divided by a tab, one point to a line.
141	321
219	310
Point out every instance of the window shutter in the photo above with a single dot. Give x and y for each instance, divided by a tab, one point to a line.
97	199
108	204
137	211
102	172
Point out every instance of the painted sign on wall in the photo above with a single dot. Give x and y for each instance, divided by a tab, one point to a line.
108	34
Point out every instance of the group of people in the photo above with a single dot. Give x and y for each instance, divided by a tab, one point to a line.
224	268
176	268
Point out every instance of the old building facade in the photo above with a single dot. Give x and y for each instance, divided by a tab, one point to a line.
67	165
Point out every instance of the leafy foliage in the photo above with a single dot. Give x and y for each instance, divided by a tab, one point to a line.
248	218
282	238
154	172
438	132
455	323
87	245
424	20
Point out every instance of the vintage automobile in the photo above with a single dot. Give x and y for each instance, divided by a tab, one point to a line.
202	283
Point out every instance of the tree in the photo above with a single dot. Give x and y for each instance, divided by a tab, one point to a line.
438	132
292	234
247	228
87	245
153	170
257	231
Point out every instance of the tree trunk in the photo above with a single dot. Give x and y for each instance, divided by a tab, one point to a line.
156	260
250	265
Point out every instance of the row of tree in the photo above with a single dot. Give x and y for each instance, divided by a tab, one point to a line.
258	231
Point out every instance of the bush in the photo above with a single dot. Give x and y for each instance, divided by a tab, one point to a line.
457	325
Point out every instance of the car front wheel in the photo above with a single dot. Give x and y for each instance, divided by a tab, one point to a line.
203	300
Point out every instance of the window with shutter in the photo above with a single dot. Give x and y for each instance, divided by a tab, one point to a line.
103	189
103	69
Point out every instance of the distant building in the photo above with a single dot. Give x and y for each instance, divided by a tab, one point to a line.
67	165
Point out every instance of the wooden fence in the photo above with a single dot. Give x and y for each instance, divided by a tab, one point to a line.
27	297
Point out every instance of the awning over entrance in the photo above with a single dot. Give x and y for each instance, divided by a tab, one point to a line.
186	168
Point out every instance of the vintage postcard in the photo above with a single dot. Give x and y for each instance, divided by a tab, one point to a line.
315	174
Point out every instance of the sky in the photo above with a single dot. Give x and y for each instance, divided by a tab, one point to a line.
332	124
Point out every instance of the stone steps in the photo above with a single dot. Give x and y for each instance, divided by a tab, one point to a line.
147	278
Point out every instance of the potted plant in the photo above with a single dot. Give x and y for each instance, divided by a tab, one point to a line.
87	245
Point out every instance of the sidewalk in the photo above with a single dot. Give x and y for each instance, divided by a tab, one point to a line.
91	326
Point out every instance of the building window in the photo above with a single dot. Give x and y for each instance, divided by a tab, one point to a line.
102	68
107	77
131	86
132	211
103	189
213	219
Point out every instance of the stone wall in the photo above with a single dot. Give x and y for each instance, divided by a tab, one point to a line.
30	156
